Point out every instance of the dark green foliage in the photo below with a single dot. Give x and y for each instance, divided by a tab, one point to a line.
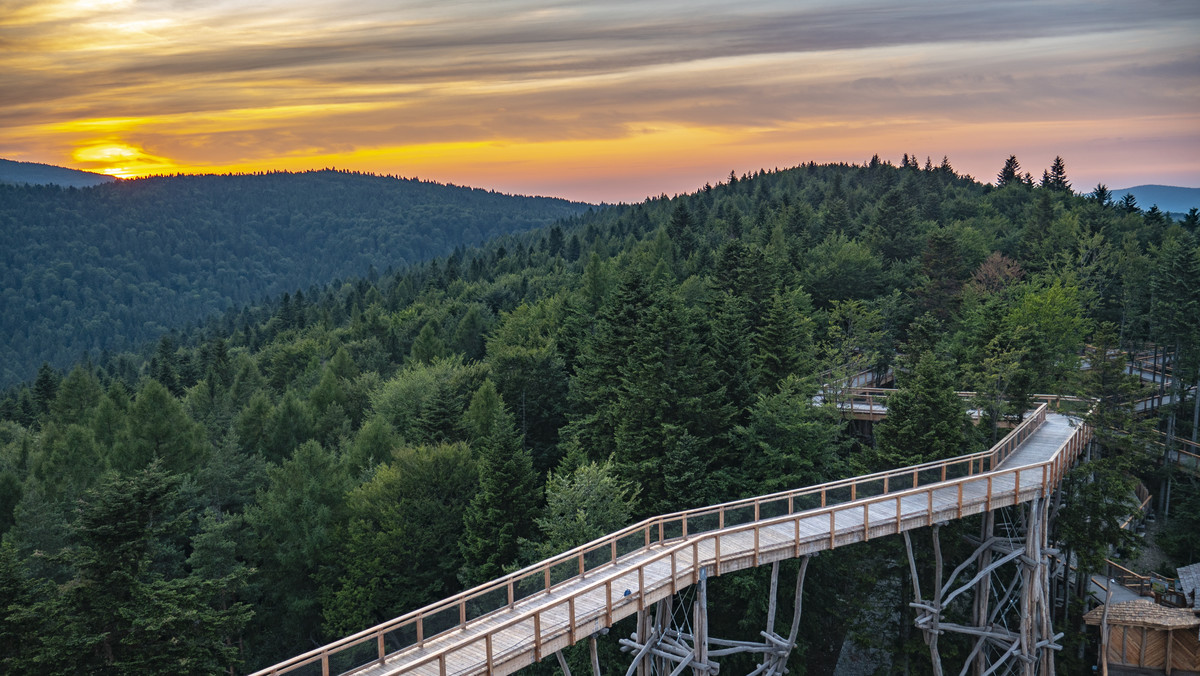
788	443
400	546
295	521
159	429
327	445
116	265
132	606
501	513
583	503
926	418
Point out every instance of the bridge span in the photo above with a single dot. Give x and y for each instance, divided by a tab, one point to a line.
514	621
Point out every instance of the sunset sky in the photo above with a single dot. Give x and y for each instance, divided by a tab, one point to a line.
601	100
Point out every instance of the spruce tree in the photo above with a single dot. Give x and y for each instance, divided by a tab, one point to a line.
926	419
428	346
1010	174
501	513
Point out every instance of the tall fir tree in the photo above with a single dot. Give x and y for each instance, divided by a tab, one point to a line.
926	419
501	513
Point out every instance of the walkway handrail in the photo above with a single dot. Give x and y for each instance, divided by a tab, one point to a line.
654	531
1049	470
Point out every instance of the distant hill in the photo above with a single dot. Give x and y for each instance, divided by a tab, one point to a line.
32	173
117	265
1168	197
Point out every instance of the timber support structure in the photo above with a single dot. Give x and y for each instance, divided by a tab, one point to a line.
1009	617
667	643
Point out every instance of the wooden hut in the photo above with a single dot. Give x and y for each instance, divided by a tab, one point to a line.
1142	637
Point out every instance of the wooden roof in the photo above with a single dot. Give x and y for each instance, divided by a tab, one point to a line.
1189	580
1144	613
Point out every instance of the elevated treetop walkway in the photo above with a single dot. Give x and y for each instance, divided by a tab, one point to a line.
508	623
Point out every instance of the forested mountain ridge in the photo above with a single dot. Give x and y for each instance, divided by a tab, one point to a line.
114	266
33	173
299	469
1172	199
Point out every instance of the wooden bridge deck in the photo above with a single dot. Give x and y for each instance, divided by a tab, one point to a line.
516	621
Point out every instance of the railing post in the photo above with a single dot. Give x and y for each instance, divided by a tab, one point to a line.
571	617
608	603
537	637
674	573
866	521
756	545
641	587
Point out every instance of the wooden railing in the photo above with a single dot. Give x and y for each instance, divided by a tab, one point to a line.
671	538
1159	587
1188	460
872	400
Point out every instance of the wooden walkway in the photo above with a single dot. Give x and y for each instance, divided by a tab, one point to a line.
517	620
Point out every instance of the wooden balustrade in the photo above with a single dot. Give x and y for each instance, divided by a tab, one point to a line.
673	535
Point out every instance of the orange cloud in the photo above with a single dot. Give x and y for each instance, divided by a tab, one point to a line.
604	101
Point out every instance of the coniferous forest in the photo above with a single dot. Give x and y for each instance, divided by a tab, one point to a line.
317	456
114	267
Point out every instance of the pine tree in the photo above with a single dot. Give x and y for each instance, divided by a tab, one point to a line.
468	336
671	410
1010	174
594	387
926	419
291	424
501	513
159	429
77	395
428	346
786	344
131	607
45	389
1056	178
295	521
400	545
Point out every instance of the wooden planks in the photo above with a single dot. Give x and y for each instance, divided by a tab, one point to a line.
668	553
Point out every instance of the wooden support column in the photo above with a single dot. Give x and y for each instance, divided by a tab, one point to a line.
983	589
662	622
594	654
937	601
644	631
771	597
700	625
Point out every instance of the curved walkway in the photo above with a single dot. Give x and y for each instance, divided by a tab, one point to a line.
516	620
